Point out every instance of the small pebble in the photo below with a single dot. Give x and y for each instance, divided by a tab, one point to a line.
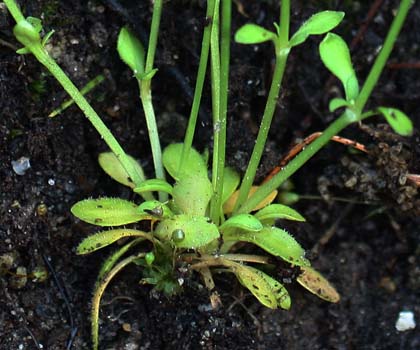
21	165
405	321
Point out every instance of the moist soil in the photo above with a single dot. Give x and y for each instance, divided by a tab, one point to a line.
362	228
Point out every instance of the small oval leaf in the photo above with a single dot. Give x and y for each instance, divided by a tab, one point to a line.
171	158
272	212
246	222
112	166
192	194
131	50
253	34
105	238
266	289
336	56
274	241
319	23
230	203
336	103
317	284
154	185
197	231
398	120
107	211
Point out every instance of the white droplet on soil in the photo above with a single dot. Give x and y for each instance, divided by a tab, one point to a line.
21	165
180	281
405	321
51	182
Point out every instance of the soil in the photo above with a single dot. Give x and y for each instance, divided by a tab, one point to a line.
362	228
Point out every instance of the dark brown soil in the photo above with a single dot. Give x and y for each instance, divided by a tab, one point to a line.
369	251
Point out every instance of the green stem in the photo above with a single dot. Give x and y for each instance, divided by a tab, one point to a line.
382	58
219	125
99	291
264	190
343	121
146	96
201	75
215	206
282	53
14	10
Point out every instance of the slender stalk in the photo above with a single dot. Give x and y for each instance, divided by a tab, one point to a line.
382	58
146	96
99	291
282	53
343	121
215	206
28	36
201	75
265	189
219	125
14	10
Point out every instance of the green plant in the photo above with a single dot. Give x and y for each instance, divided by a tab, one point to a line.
198	220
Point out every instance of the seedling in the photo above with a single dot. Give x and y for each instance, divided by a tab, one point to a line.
197	221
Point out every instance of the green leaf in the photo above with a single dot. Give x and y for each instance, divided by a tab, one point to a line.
398	120
47	37
154	185
336	103
131	50
35	22
26	33
198	232
317	284
319	23
267	290
231	181
336	56
246	222
155	209
147	75
272	212
107	211
192	193
112	166
275	241
171	159
253	34
102	239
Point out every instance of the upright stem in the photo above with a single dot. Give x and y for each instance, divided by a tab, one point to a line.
220	151
14	10
146	95
282	52
343	121
201	75
265	189
219	125
382	58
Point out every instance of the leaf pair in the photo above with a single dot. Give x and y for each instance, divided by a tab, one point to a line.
317	24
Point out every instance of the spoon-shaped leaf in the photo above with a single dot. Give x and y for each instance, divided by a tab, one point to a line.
112	166
131	50
317	284
275	241
398	120
267	290
336	56
187	231
272	212
246	222
172	156
154	185
319	23
104	238
107	211
253	34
